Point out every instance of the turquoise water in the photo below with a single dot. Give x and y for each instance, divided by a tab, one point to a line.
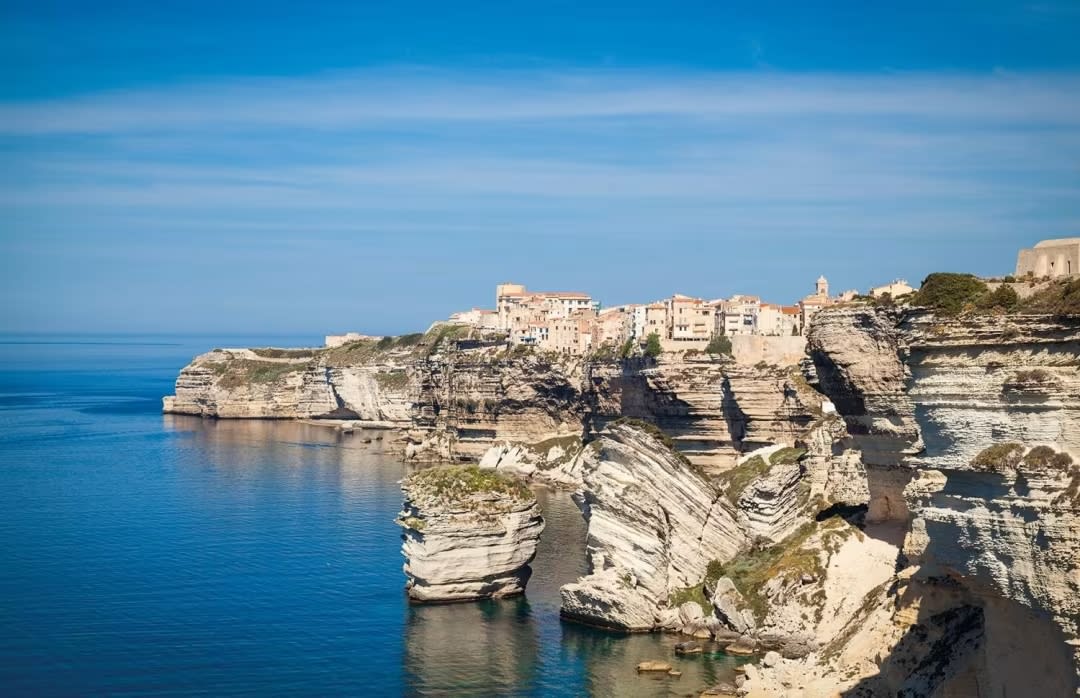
145	554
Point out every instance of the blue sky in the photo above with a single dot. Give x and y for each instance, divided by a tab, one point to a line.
272	167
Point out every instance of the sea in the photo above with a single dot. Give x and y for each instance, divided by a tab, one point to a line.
157	555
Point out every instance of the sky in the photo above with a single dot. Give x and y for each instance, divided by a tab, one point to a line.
323	167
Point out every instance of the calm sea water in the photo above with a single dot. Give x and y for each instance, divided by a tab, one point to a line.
146	554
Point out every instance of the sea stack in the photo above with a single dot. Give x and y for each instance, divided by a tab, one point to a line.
469	534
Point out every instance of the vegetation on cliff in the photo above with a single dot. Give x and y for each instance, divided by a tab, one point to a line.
458	484
720	344
239	372
949	294
1060	298
799	554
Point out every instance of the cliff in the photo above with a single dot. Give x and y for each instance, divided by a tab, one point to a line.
654	525
967	430
468	534
459	398
362	380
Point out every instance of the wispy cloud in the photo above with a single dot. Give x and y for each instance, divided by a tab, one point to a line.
783	169
421	96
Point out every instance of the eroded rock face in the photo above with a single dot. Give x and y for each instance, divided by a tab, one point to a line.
473	400
239	383
716	410
654	525
468	534
922	396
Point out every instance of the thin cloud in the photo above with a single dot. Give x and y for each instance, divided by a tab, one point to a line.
424	97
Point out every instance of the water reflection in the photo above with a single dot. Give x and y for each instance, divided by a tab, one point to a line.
470	649
257	479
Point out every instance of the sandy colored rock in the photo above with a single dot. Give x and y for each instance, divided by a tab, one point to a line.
468	534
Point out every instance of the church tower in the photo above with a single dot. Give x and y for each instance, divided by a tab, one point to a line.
822	287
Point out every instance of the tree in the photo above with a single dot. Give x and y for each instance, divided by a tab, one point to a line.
948	293
719	344
652	345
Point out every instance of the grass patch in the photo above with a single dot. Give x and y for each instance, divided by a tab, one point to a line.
275	353
1046	458
414	523
736	480
458	483
695	593
239	372
392	380
789	559
787	456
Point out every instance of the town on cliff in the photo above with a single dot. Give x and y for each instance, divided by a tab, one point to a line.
891	507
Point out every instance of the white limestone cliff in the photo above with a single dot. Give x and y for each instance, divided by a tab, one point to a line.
654	526
468	534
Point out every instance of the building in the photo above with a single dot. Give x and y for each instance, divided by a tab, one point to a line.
814	302
336	340
614	325
739	315
777	320
479	318
570	335
1053	258
690	319
520	312
897	288
656	319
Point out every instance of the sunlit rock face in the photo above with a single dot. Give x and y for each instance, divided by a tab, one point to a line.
715	409
654	525
922	397
243	384
468	535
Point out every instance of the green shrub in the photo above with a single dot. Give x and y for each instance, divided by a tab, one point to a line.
392	380
1061	298
735	480
998	457
720	344
948	293
1034	378
787	455
626	349
1061	461
695	593
1003	297
459	482
1039	457
652	346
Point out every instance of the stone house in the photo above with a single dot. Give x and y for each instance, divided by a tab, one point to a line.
690	319
1053	258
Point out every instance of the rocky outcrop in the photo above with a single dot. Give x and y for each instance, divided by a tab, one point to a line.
474	398
715	409
555	461
292	384
654	526
991	536
468	534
